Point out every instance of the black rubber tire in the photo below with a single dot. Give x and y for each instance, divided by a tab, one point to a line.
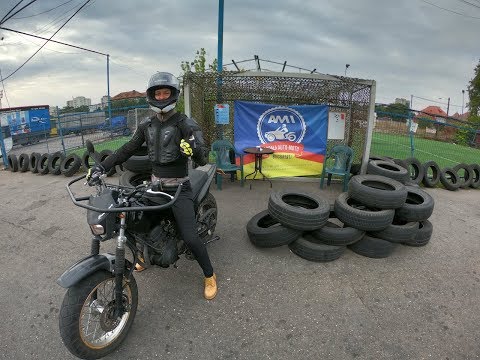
43	164
415	170
388	169
34	160
71	311
55	162
475	184
431	181
70	165
314	251
377	191
139	162
334	234
373	247
87	161
467	177
266	232
401	162
418	206
424	234
12	162
298	210
103	155
23	162
397	232
129	178
355	214
381	158
449	179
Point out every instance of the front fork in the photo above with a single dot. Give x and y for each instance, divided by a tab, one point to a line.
119	266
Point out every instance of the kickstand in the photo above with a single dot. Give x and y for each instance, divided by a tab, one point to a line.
215	238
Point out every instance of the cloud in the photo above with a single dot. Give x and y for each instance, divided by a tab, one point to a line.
408	47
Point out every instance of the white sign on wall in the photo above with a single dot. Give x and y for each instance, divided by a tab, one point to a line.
336	125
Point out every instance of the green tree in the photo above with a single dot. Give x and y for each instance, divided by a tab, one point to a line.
474	96
199	64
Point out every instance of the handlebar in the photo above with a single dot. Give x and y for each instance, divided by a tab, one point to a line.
78	200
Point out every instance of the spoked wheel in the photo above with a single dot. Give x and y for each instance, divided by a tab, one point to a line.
207	218
88	326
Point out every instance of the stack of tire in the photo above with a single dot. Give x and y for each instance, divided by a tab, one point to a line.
56	163
305	223
376	215
389	212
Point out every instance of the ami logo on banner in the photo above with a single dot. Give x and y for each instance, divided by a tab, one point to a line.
296	134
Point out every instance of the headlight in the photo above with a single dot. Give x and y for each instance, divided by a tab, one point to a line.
97	229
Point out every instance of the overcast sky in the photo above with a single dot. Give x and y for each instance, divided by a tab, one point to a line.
409	47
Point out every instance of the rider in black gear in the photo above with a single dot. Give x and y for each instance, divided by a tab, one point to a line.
171	141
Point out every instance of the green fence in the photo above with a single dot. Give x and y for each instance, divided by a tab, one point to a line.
447	141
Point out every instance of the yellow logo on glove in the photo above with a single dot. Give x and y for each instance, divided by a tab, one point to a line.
185	148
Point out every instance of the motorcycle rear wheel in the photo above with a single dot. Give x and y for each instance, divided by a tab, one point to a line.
87	327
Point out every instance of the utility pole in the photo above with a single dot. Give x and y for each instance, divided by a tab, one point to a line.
346	67
448	105
1	96
463	99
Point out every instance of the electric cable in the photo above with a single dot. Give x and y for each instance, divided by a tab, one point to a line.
10	11
43	12
4	91
86	2
452	11
16	12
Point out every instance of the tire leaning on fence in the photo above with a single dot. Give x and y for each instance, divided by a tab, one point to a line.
464	174
34	160
23	162
43	164
449	179
475	184
103	155
415	169
12	162
431	180
55	162
70	165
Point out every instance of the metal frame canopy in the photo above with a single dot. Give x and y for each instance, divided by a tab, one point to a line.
354	97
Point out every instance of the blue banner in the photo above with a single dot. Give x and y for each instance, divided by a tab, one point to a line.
296	134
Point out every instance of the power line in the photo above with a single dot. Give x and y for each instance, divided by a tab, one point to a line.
86	2
43	12
469	3
452	11
11	10
5	18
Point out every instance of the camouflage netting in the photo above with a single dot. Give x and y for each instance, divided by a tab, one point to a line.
351	96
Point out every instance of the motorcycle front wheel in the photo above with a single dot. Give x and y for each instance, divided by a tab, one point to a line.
87	325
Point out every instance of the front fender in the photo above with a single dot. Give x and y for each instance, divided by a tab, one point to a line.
85	267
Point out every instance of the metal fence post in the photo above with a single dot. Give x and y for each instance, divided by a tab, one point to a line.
59	131
410	130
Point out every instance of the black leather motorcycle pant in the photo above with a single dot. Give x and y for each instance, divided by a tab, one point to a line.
184	213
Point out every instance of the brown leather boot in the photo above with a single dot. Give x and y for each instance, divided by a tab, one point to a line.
210	287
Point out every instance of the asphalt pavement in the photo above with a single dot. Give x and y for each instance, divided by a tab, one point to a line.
419	303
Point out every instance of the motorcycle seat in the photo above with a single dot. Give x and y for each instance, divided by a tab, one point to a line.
197	180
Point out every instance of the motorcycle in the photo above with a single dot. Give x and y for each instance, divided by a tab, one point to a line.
100	304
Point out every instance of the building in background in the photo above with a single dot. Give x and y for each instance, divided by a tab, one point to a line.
104	101
78	101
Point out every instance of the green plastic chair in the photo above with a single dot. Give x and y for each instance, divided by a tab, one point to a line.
224	154
343	157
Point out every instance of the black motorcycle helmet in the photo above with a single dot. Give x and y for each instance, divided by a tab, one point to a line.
163	80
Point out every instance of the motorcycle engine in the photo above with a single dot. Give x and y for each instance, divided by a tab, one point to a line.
162	245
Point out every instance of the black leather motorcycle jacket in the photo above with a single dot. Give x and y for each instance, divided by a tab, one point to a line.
163	142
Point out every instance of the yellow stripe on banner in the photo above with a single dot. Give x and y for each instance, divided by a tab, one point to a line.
287	167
